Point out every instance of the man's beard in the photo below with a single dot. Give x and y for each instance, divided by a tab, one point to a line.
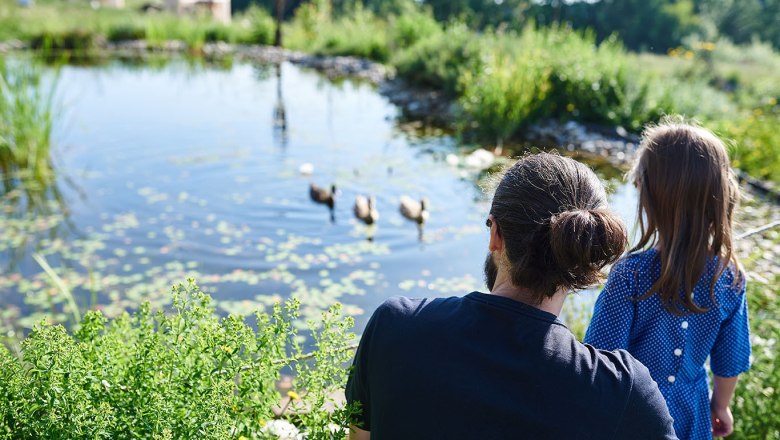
491	271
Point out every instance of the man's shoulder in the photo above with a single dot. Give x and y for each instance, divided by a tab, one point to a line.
404	307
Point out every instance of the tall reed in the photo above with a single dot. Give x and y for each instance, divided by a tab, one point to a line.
26	121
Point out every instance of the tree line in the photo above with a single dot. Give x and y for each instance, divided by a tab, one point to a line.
642	25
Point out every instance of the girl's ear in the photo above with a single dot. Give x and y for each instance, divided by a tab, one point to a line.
496	243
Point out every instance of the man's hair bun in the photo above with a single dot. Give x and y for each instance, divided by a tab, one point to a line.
583	241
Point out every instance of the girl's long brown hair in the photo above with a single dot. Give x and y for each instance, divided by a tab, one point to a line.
687	197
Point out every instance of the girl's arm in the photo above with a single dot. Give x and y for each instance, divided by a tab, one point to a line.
722	392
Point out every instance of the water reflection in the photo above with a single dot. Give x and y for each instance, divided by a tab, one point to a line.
280	114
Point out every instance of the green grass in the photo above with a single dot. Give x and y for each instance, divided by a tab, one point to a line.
77	27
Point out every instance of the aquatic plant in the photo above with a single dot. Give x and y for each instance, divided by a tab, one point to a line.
26	121
185	374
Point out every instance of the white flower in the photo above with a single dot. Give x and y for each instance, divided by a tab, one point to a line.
282	429
334	428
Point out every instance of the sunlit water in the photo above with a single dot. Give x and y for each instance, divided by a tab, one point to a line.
190	171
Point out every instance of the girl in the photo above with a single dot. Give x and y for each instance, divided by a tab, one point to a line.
679	296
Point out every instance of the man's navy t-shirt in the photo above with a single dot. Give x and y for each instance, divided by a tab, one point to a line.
488	367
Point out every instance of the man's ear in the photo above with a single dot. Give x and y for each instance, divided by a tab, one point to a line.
496	243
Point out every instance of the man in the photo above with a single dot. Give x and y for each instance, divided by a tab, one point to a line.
501	365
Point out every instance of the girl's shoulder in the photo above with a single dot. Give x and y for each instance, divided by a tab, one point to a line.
637	261
632	270
731	281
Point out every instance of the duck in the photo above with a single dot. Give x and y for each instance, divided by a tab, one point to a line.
365	209
322	195
413	210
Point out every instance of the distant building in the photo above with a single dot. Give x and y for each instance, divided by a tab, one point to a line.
219	9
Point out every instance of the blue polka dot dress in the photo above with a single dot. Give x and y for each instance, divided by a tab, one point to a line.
675	348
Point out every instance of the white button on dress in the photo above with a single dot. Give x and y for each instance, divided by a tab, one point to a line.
671	379
684	324
677	352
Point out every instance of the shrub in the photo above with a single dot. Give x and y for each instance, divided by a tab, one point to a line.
260	26
360	34
439	61
126	32
755	140
219	32
188	374
595	83
412	26
508	92
76	40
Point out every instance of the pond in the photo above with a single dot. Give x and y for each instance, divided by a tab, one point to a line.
190	170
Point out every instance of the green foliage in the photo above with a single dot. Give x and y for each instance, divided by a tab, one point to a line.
76	40
411	26
26	120
440	61
755	140
560	73
126	31
359	34
260	25
56	27
507	92
756	402
187	374
598	83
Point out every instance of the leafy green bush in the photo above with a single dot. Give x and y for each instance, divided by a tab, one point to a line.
410	27
755	140
358	34
126	32
260	26
506	93
76	40
596	83
440	61
188	374
219	32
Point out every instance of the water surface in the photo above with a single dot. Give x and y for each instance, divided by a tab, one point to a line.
194	171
